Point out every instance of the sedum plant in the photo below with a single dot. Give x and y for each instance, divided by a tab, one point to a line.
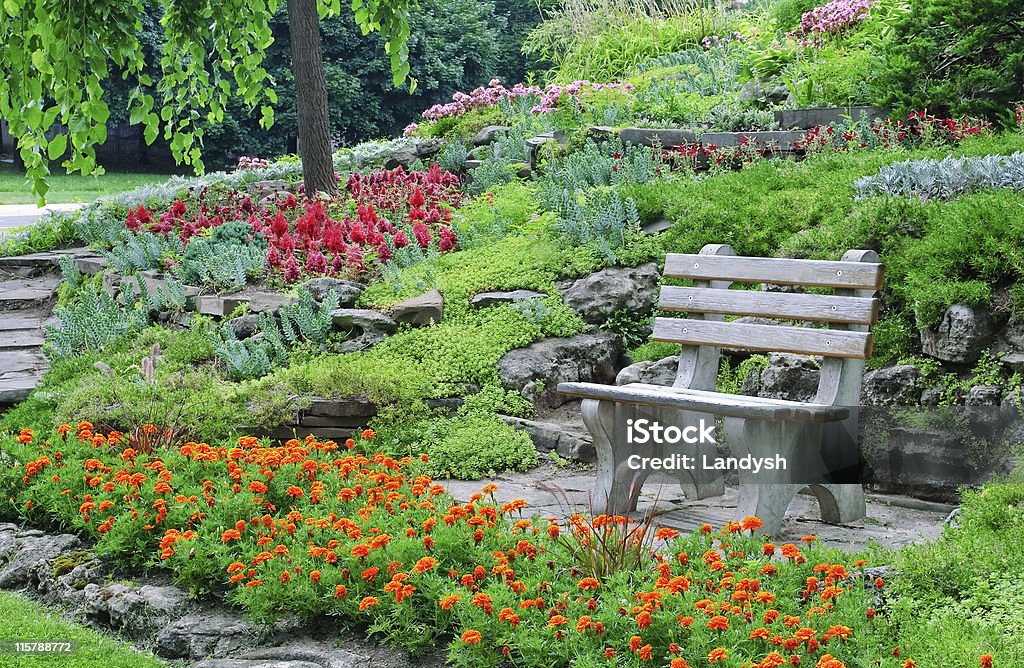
601	221
221	266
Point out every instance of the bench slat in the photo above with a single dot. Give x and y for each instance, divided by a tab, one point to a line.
794	306
768	338
820	273
713	403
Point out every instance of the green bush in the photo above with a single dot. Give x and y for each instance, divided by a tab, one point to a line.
478	445
960	57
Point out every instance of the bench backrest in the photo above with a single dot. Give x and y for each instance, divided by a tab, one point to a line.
845	343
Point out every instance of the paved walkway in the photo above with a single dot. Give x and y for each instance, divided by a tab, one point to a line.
892	520
19	215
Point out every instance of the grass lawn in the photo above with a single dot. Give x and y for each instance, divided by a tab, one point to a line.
26	620
14	189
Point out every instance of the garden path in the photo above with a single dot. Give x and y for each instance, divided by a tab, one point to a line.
892	521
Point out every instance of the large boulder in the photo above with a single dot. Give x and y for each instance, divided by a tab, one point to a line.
348	291
135	611
485	299
28	549
489	134
660	372
536	370
597	296
965	331
204	634
419	311
367	327
790	377
893	386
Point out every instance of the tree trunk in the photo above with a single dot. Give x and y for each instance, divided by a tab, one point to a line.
311	97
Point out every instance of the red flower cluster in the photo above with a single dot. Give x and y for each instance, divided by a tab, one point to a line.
392	209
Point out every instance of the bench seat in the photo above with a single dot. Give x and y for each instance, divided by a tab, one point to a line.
713	403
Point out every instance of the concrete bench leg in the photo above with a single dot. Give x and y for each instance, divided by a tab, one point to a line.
768	493
618	486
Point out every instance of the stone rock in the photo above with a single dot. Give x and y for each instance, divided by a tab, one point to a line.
536	370
790	377
751	91
599	295
29	552
661	372
663	137
255	663
931	396
893	386
656	227
348	291
1014	332
983	395
485	299
965	331
489	134
419	311
63	580
261	189
401	157
427	147
368	327
134	611
245	326
569	441
601	133
204	634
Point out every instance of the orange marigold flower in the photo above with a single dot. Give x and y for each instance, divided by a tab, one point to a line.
230	535
790	551
293	491
584	623
909	663
760	634
472	637
679	662
447	602
368	434
341	591
588	583
773	660
645	653
635	642
809	539
257	487
368	602
665	533
286	577
370	573
509	616
609	653
314	576
718	654
986	661
236	566
751	523
718	623
425	564
556	621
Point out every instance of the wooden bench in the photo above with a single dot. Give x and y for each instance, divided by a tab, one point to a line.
817	438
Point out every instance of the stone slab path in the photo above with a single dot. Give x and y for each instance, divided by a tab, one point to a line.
556	491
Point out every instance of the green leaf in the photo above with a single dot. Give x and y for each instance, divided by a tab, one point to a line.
40	63
11	7
57	146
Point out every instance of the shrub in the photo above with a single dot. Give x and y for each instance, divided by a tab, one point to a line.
478	445
91	322
959	57
224	267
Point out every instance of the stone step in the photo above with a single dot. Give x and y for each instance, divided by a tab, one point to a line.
13	390
20	338
20	360
22	293
87	261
